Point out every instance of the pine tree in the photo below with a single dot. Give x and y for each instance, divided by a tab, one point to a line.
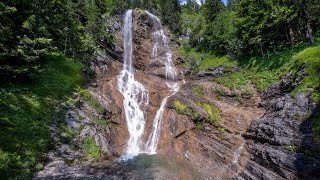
170	13
211	9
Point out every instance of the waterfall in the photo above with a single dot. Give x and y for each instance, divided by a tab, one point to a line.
161	47
135	94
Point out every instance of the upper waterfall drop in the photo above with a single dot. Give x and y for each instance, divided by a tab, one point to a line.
135	94
161	47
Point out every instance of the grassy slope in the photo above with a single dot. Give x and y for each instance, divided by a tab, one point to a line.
262	72
26	112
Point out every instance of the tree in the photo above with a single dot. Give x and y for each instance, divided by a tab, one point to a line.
170	13
211	9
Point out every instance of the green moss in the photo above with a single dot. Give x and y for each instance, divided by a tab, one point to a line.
212	111
221	132
310	58
101	122
90	99
180	107
291	148
195	115
74	147
66	133
199	125
198	90
92	150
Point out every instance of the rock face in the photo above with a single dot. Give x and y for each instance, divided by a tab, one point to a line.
203	135
217	71
281	137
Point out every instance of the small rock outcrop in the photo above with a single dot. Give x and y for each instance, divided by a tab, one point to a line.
217	71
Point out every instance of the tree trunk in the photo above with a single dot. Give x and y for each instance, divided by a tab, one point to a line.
309	32
307	20
291	35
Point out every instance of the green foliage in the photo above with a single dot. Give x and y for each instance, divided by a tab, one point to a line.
101	122
212	8
197	61
92	150
236	80
310	58
212	111
219	33
199	125
170	12
66	133
26	113
33	30
221	132
211	61
264	25
180	107
291	148
249	27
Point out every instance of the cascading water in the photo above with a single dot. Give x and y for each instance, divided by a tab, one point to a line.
135	94
161	47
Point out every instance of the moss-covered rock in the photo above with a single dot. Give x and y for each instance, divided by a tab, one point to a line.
180	106
92	150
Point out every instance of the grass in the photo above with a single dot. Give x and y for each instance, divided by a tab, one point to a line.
234	81
310	58
92	150
264	72
198	61
26	112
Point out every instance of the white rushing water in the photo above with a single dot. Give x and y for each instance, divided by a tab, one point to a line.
161	51
136	96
